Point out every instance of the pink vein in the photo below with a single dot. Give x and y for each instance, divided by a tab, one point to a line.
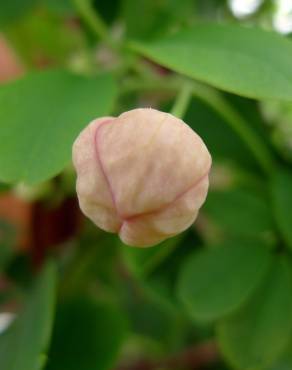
98	157
164	207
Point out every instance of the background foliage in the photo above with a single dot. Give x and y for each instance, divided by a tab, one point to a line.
219	296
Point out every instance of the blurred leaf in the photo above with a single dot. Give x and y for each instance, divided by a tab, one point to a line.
239	212
152	316
7	240
162	273
11	10
255	336
214	282
23	345
245	61
63	7
46	39
285	362
158	16
282	202
6	254
40	117
95	258
87	335
209	9
19	270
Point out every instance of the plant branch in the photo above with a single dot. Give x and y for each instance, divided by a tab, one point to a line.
133	84
182	100
238	124
93	20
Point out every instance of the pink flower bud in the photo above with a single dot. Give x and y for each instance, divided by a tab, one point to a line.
143	175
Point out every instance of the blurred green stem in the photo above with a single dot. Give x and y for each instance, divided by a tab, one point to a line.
161	255
93	20
257	146
182	101
133	85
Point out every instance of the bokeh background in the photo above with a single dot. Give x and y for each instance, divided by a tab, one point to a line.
118	307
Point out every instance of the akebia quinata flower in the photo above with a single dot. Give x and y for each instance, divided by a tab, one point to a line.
142	175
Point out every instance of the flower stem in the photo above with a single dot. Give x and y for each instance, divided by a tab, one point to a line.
257	146
93	20
182	100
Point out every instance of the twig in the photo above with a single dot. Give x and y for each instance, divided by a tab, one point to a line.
93	20
182	101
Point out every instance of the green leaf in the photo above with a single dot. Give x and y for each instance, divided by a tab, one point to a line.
284	363
41	115
45	36
255	336
159	16
215	282
87	335
239	212
281	189
62	7
23	345
245	61
11	10
153	317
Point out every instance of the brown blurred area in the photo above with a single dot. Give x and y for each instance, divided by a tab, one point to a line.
10	65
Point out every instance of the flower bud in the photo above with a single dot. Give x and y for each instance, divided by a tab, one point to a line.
143	175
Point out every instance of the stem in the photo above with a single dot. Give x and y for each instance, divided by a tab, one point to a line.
134	85
161	255
182	101
74	277
92	19
257	146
